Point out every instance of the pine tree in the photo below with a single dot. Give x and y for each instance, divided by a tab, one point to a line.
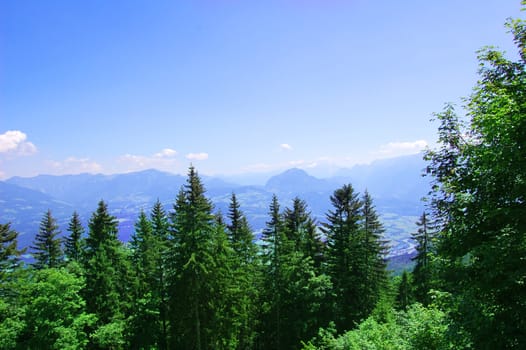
374	250
295	292
274	239
46	247
295	221
246	271
342	230
300	229
404	296
73	243
9	252
422	272
107	275
145	325
160	230
239	232
197	257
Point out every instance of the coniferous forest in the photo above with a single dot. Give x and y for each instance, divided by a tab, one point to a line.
193	278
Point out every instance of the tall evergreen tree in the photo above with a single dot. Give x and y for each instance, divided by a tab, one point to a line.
294	290
107	278
160	231
144	322
422	272
300	229
239	232
374	250
404	296
343	251
274	239
46	248
197	257
9	252
73	243
296	221
246	273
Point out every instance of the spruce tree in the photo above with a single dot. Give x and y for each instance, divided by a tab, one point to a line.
374	250
107	275
342	230
300	229
160	231
197	258
239	232
144	322
73	243
246	270
273	242
9	252
404	296
46	247
422	272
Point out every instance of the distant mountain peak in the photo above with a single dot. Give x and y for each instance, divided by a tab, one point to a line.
296	180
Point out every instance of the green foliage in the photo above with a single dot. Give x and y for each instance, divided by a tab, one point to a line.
418	328
110	335
479	199
12	322
53	312
47	249
9	252
405	296
355	256
107	271
423	270
202	282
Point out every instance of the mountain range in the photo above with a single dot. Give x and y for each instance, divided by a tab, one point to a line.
396	185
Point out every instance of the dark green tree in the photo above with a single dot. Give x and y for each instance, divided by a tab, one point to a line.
240	233
9	252
422	272
160	231
273	241
73	243
246	269
373	246
295	293
144	321
108	281
199	293
301	230
342	231
46	248
404	296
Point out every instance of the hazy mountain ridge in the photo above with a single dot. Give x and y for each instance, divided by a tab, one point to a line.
395	184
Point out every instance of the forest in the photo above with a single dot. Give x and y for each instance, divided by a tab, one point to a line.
193	278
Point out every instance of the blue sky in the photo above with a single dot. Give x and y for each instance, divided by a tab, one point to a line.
234	87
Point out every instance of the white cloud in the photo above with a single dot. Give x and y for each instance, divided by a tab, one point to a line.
166	153
197	156
395	149
14	142
74	165
165	160
296	162
285	147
